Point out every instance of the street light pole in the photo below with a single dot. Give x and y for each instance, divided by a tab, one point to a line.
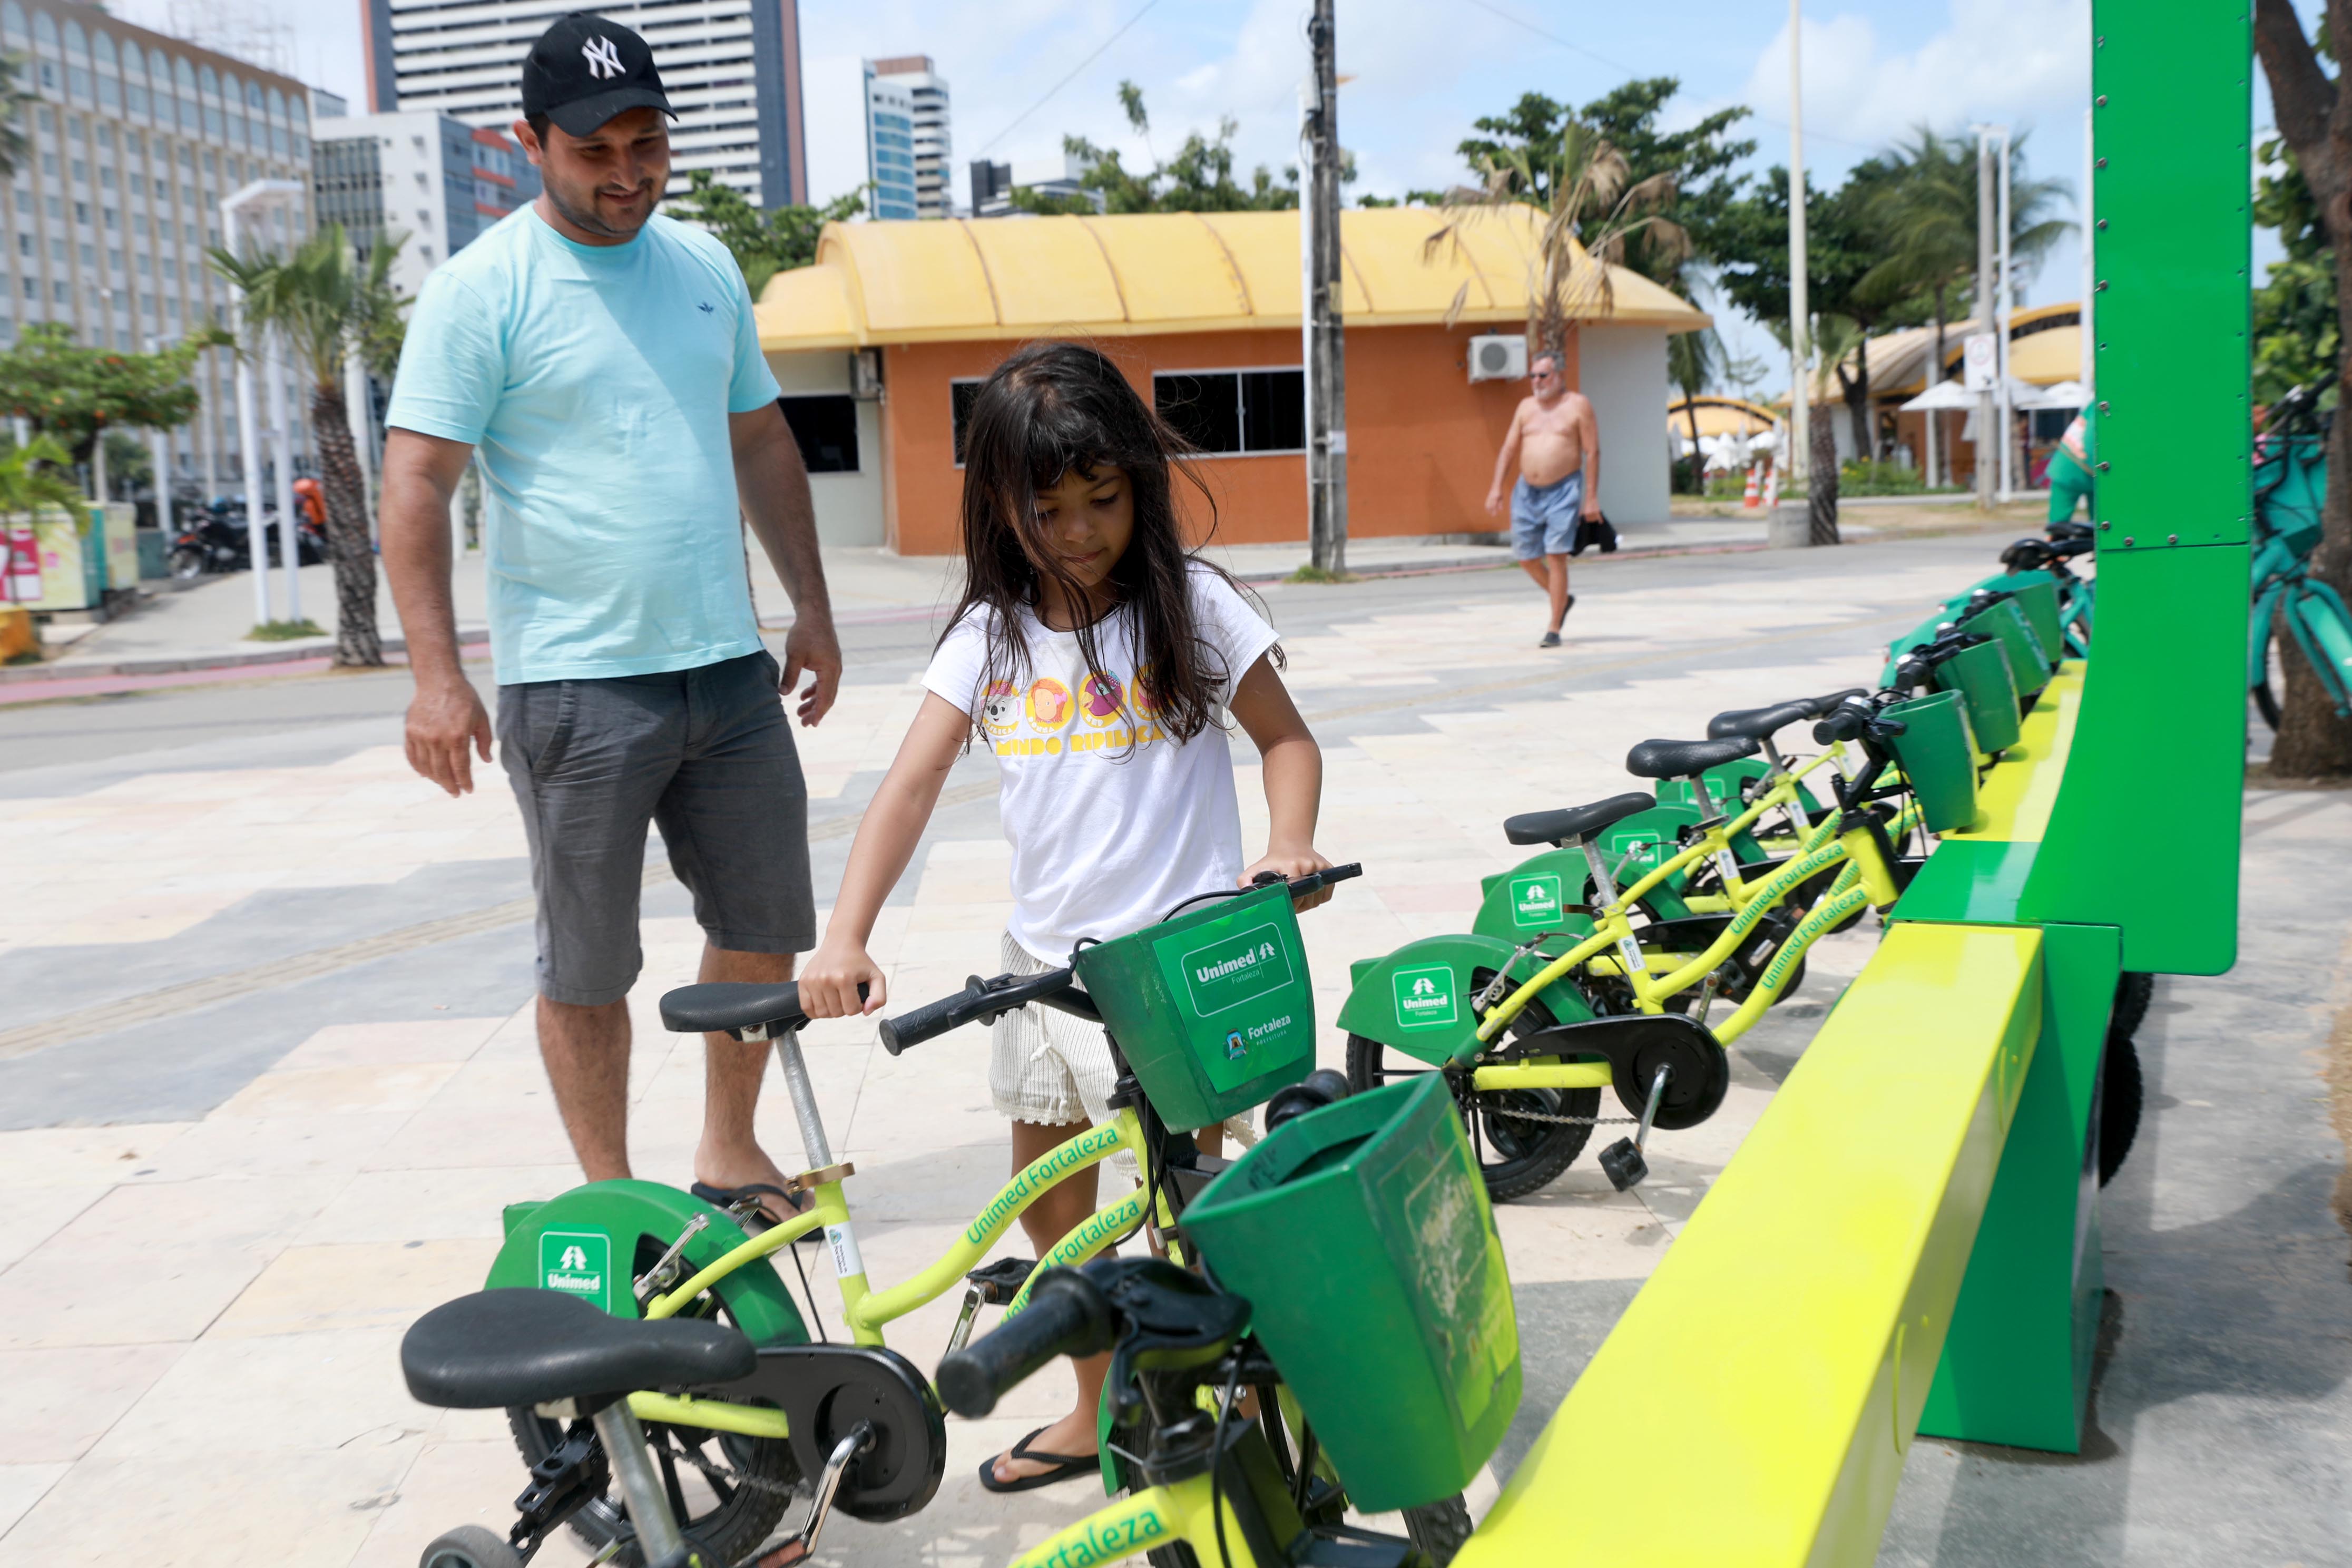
2008	290
273	343
1988	439
255	197
1801	388
1326	371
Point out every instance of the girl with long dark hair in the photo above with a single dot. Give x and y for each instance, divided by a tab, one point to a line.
1099	659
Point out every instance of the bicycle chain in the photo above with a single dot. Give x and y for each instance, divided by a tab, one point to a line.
1572	1120
669	1448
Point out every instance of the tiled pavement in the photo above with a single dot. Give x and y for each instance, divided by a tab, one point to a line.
217	1223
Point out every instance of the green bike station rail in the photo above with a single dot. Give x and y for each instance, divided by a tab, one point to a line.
1908	1240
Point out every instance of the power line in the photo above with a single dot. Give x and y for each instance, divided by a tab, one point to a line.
1065	81
1620	66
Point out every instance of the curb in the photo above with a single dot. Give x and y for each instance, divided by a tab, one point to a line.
283	653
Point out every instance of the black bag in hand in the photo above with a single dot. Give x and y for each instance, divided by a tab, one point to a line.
1592	532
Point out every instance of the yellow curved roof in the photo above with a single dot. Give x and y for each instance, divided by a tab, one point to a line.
969	279
1719	415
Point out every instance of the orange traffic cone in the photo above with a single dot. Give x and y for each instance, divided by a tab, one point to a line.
1772	485
1750	500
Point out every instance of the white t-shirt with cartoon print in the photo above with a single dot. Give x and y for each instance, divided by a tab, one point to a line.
1110	818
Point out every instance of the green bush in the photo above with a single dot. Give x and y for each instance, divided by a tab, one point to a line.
1864	478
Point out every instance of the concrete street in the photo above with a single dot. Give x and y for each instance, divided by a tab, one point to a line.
267	1073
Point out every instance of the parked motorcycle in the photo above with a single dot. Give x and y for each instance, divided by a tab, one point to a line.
213	539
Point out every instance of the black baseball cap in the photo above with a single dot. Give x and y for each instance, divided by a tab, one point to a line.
586	68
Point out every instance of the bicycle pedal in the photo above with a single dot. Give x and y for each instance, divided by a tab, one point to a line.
1623	1163
1001	1281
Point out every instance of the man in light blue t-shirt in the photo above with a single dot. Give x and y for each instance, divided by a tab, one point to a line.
604	364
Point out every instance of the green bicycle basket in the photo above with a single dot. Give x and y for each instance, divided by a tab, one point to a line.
1214	1009
1938	755
1361	1235
1980	675
2037	596
2006	624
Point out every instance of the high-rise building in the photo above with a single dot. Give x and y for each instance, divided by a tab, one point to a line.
889	148
933	142
133	139
417	172
732	69
993	184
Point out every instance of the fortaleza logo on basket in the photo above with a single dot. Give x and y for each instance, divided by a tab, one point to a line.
576	1262
1426	998
1535	901
1230	971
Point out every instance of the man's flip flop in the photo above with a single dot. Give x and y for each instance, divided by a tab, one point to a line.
758	1220
1066	1466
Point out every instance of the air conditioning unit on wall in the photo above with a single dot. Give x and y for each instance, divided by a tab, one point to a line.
1498	356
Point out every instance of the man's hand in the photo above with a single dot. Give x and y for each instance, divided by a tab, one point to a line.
1493	503
812	647
1592	508
445	718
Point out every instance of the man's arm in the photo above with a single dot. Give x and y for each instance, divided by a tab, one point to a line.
1588	429
1505	460
420	474
773	487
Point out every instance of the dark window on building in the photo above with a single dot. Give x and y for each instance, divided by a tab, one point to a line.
962	394
1226	412
826	429
2050	423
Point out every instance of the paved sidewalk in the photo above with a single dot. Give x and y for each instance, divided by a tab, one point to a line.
204	625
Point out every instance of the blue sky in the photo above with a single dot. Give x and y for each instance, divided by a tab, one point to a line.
1423	71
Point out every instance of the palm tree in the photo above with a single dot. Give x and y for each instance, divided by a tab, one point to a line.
1692	361
12	98
330	305
1590	215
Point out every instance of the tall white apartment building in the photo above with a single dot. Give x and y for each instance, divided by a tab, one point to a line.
732	68
928	129
131	139
889	148
417	172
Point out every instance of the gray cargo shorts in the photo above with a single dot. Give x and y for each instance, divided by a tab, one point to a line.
706	754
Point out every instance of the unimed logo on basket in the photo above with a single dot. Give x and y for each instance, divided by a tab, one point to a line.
1426	998
1535	901
1230	971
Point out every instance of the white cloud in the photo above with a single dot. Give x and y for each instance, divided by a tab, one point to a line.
1997	61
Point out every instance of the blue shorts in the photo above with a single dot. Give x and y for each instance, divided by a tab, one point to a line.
1543	521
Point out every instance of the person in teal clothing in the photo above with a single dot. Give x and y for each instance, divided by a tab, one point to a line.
2070	469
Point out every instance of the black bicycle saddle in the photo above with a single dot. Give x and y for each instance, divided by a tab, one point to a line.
1755	723
499	1348
733	1005
1683	759
1575	822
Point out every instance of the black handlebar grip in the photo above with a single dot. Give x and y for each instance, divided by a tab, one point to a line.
1066	1315
928	1022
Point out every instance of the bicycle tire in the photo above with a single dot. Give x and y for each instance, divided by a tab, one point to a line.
729	1532
2134	991
2120	1092
1535	1151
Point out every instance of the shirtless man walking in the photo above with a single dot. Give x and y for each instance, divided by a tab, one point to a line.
1555	444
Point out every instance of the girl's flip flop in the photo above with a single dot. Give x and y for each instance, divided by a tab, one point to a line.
1066	1466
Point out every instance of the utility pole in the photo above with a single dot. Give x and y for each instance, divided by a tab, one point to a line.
1988	439
1327	368
1801	385
2008	290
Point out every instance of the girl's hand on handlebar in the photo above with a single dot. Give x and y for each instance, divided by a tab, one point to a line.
1290	865
829	982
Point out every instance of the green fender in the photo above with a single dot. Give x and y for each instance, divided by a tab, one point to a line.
1418	998
591	1241
1527	902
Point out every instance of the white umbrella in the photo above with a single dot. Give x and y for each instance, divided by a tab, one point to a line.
2067	395
1943	396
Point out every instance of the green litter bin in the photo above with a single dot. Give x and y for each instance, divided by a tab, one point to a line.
1214	1009
1938	755
2006	624
1980	675
1362	1238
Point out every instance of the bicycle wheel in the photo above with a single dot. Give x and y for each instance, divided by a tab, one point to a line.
2134	991
2120	1091
1517	1154
727	1514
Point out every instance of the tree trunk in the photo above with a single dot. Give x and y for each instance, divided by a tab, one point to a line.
1821	484
356	642
2313	743
1698	458
1857	403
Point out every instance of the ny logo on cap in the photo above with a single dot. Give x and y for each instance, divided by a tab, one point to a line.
603	57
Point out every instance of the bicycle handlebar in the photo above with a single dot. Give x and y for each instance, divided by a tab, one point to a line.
979	1001
1313	881
1856	721
1067	1314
